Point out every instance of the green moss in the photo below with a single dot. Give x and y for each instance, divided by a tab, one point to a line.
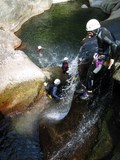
104	145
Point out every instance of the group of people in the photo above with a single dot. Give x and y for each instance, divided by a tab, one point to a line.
105	57
55	90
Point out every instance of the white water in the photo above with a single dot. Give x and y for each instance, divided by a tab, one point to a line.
82	132
59	110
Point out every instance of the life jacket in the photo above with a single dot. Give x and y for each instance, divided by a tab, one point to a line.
50	88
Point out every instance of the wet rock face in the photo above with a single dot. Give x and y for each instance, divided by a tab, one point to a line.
18	96
16	73
64	139
15	13
19	82
111	7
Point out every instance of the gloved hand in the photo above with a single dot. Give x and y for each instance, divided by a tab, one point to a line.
95	56
61	98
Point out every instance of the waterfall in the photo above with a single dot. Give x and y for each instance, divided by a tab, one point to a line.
59	110
81	133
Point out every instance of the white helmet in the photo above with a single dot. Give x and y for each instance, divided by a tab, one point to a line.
92	25
39	47
57	81
65	59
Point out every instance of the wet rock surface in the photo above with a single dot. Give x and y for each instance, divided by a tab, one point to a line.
68	138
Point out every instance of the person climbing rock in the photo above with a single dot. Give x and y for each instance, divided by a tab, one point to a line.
54	90
105	56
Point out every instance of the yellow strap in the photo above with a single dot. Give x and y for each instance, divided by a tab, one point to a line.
49	96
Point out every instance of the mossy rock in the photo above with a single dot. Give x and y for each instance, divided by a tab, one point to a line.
54	72
18	96
116	153
104	145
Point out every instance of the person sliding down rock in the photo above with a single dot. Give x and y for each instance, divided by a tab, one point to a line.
105	56
54	90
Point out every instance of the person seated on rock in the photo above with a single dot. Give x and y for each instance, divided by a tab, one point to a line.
54	90
105	56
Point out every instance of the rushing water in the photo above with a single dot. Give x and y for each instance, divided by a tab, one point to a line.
59	111
59	31
81	133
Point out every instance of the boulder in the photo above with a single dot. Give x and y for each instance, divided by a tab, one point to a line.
20	79
104	139
111	7
15	13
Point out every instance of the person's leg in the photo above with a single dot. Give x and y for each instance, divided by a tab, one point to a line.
90	78
89	83
97	69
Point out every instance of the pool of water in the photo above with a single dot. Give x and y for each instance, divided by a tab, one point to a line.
59	31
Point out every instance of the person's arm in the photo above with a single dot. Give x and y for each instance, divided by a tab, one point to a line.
113	52
108	38
112	44
111	63
54	93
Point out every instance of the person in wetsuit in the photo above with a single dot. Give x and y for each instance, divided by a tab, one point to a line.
54	90
105	56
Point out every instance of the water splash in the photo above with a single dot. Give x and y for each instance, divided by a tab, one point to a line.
59	110
50	57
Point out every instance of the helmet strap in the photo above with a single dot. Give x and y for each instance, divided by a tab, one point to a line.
96	31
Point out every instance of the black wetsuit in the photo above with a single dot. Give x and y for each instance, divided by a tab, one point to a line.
106	48
54	90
